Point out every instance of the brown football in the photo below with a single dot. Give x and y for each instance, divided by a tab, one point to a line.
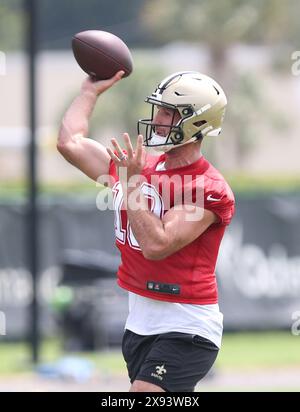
101	54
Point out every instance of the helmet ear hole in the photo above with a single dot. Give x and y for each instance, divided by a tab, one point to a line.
187	111
177	137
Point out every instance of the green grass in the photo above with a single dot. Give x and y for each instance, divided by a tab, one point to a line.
240	182
19	190
240	351
249	184
259	350
15	357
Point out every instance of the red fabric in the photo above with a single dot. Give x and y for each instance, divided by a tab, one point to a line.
192	267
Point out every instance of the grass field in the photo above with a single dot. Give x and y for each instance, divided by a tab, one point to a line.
267	349
240	351
241	184
265	361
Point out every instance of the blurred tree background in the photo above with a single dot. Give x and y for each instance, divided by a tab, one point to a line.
220	25
155	22
222	38
58	20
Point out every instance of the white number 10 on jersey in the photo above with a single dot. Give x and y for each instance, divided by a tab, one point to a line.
123	231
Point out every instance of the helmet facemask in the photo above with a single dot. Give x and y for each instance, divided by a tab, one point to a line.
175	135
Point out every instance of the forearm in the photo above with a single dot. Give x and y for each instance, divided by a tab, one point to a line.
147	228
76	118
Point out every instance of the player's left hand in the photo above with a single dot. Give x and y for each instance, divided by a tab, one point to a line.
134	161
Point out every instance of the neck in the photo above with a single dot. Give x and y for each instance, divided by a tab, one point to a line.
183	155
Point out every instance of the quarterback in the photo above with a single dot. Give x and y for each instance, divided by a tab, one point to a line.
171	212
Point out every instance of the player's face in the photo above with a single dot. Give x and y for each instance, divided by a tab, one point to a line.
164	117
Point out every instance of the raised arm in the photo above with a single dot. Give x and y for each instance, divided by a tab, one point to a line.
86	154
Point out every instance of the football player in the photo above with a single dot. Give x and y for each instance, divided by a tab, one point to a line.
171	212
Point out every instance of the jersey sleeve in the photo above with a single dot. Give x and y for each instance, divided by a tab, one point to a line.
219	199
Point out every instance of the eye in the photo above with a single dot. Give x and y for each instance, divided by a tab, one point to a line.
168	113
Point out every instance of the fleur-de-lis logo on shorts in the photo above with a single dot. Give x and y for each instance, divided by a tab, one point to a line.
160	370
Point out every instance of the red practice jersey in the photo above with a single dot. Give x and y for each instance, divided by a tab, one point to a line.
188	275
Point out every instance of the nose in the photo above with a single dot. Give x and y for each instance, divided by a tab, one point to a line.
157	118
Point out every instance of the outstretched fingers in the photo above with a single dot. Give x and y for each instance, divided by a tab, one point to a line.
128	145
117	147
139	148
118	76
102	85
112	155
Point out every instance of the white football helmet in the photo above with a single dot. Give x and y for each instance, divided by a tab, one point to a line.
201	103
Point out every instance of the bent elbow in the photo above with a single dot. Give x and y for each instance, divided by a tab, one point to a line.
63	147
60	147
64	141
